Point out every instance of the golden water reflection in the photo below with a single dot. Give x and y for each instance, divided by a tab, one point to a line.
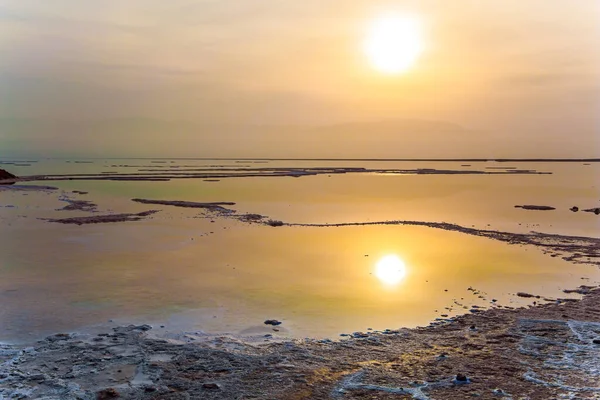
390	269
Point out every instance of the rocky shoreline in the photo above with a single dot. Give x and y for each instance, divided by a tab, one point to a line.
545	352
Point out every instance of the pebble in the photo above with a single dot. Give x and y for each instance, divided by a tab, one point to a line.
211	386
273	322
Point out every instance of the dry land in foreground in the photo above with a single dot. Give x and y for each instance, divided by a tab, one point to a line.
545	352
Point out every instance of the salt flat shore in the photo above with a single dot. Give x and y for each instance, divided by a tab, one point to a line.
549	351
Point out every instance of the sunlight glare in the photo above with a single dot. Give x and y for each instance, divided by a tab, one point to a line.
390	269
393	43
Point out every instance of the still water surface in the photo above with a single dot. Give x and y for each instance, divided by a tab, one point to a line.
185	271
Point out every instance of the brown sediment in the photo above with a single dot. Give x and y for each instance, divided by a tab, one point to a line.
534	207
101	219
216	206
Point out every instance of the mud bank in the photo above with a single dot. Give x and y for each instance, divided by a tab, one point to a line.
102	219
215	206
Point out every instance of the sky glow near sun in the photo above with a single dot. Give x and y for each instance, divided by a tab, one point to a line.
507	78
393	43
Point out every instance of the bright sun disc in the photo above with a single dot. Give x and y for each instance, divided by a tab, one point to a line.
393	43
390	269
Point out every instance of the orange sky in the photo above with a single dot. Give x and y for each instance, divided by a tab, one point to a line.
519	76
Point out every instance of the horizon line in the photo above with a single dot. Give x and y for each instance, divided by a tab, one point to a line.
320	159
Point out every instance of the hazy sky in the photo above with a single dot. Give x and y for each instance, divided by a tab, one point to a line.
520	76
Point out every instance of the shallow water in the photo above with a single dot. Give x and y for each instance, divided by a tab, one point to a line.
182	270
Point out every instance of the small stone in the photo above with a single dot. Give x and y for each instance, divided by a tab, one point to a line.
210	386
596	341
106	394
143	327
523	294
574	208
461	378
273	322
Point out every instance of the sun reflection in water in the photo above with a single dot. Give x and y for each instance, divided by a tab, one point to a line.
390	269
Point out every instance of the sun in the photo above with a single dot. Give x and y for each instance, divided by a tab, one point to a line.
390	269
393	43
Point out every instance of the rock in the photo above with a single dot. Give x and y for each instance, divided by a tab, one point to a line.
6	175
523	294
593	210
144	327
537	208
275	223
596	341
210	386
57	337
273	322
461	378
109	393
574	208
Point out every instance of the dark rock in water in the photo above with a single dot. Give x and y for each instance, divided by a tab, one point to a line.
574	208
580	290
526	295
275	223
461	378
596	341
273	322
211	386
106	394
6	175
593	210
538	208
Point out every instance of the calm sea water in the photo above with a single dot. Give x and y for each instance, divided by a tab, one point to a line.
184	271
